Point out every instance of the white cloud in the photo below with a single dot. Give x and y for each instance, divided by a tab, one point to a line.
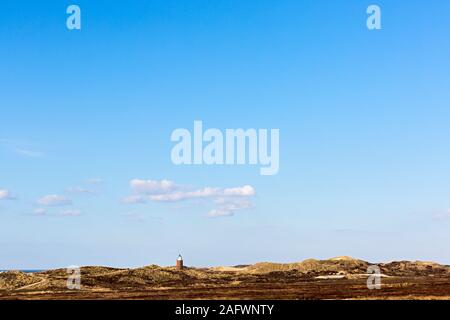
245	191
54	200
443	215
228	207
6	195
134	216
63	213
168	191
228	201
186	195
71	213
80	190
40	211
134	199
152	186
29	153
22	148
94	181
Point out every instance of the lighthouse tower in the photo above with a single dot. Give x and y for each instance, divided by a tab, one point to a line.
180	265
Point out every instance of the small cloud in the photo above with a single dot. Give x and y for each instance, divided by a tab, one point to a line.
29	153
204	193
54	200
245	191
176	196
94	181
228	207
40	212
168	191
442	216
152	186
6	195
134	199
71	213
21	148
80	190
134	216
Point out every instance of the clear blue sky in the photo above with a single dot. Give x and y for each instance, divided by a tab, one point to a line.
364	119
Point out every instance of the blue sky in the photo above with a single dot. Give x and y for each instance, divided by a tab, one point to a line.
363	116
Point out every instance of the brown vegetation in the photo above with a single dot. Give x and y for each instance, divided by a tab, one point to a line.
338	278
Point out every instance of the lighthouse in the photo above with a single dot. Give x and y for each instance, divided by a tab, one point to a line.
180	262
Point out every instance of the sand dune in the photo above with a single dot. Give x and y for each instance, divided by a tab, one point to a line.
341	277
